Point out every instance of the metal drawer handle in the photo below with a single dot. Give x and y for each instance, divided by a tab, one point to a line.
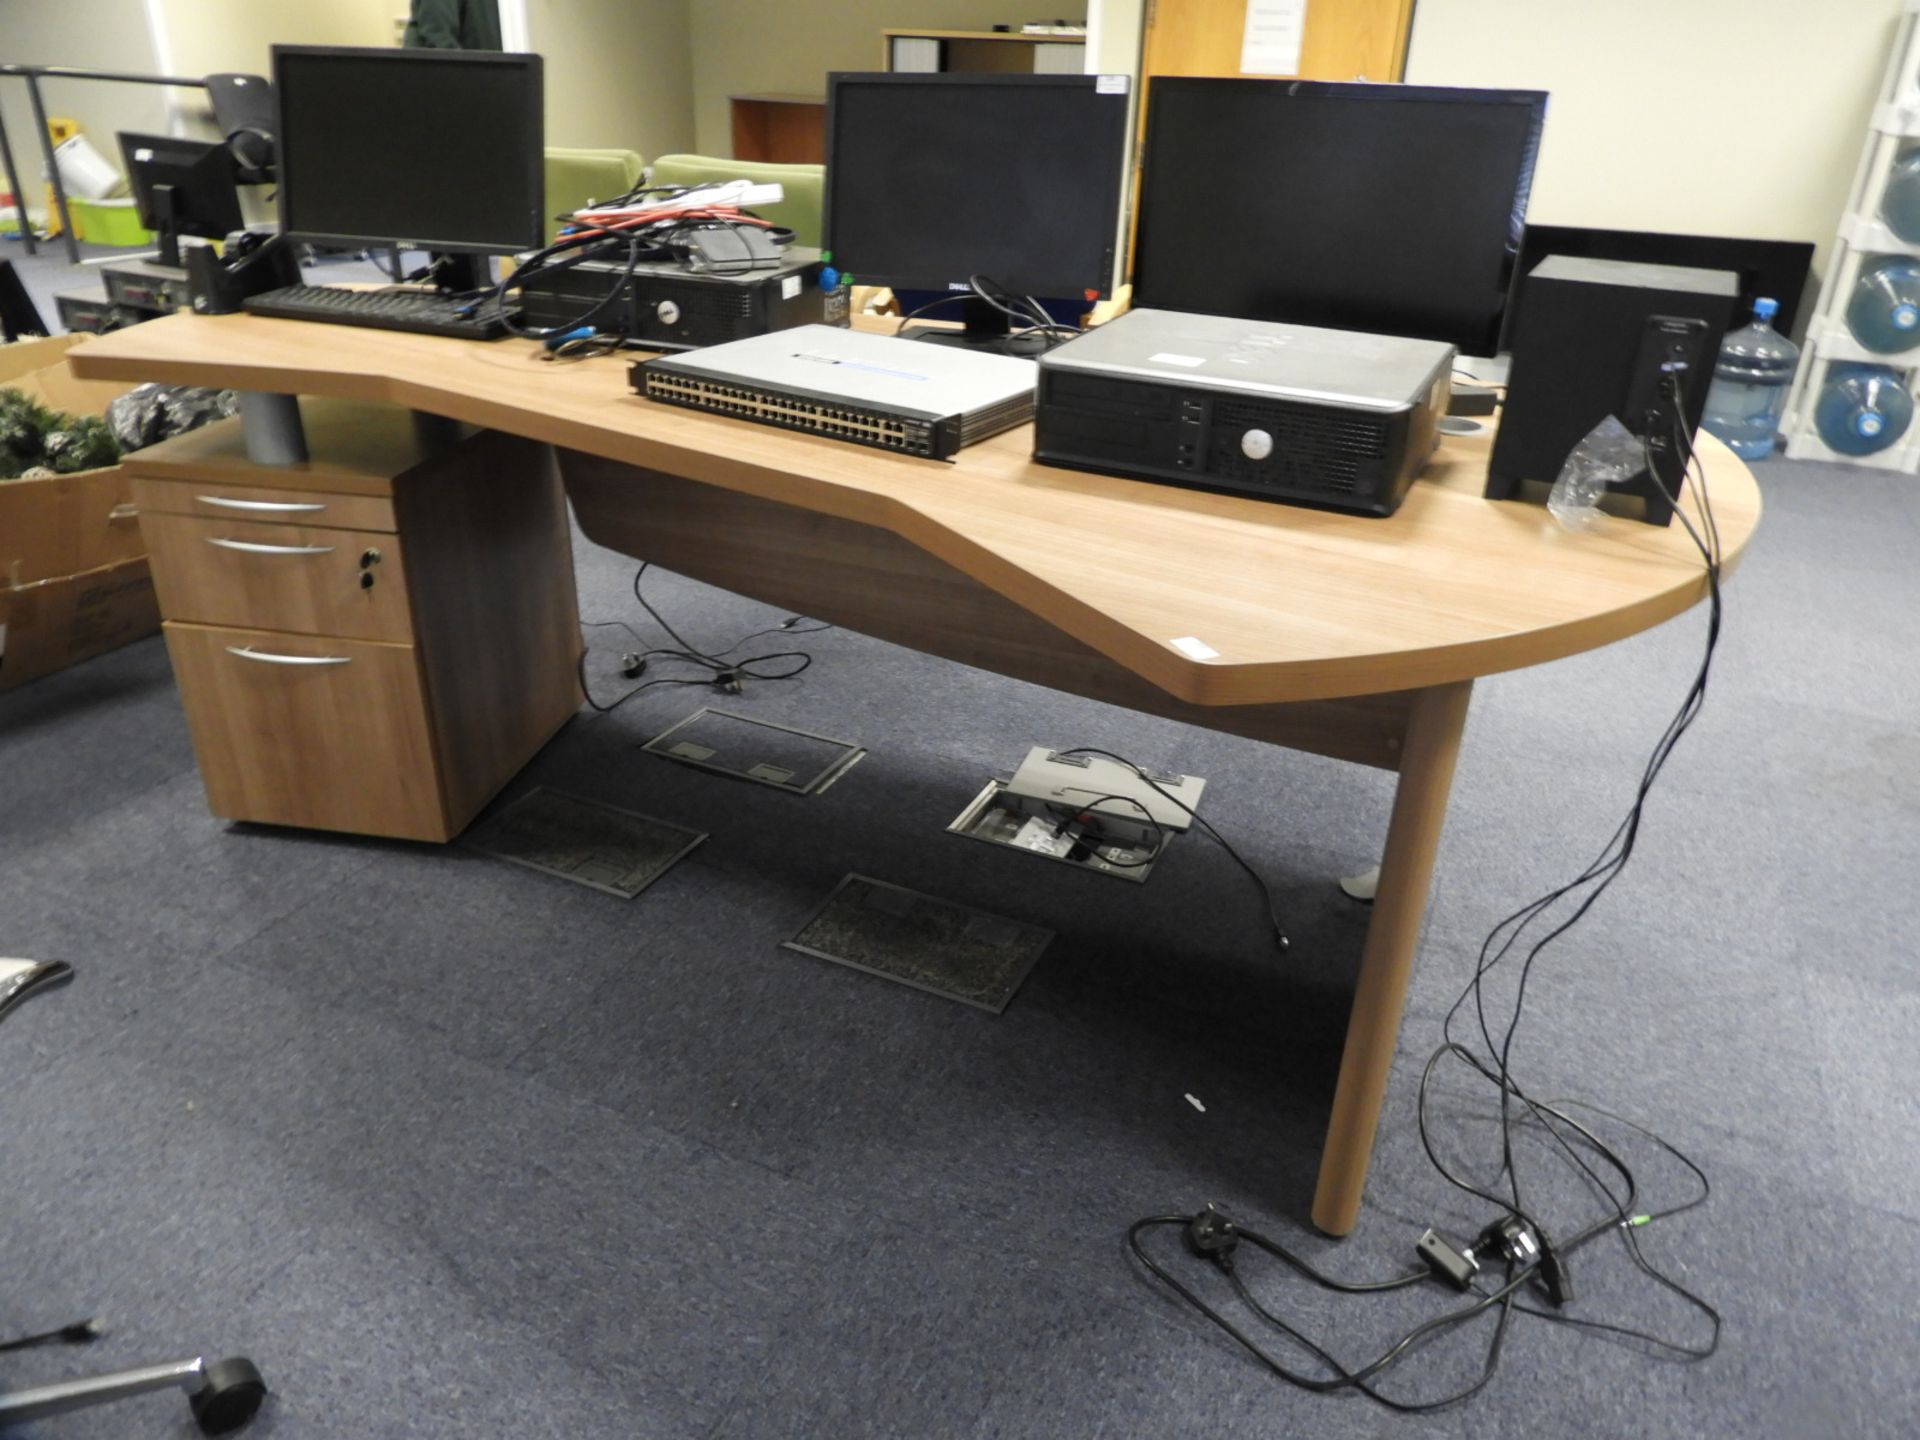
277	507
254	547
247	652
128	511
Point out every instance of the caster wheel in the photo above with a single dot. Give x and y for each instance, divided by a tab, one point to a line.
1361	887
232	1393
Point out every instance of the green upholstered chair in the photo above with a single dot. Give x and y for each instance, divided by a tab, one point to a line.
805	187
578	177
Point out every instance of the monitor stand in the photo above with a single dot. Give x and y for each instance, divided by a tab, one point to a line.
984	327
166	225
459	274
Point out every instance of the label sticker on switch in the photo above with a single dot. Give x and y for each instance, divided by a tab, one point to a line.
789	287
1194	648
1167	357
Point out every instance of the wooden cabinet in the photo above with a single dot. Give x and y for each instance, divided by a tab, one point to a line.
299	578
984	52
374	641
779	129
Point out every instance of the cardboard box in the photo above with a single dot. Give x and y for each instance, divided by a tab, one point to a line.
50	624
73	569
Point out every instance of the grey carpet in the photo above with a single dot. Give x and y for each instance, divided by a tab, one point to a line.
455	1149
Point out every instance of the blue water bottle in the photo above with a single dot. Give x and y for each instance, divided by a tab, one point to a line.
1884	313
1750	383
1862	409
1900	206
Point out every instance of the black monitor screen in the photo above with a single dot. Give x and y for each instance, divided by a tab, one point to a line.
441	149
935	178
1396	209
201	178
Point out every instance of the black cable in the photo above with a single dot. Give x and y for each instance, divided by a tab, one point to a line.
721	669
1568	1134
622	699
649	240
1034	321
1094	841
78	1333
1038	321
1342	1378
1266	891
718	662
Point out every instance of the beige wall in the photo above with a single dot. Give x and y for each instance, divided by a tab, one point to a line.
101	34
617	72
749	46
205	36
1718	117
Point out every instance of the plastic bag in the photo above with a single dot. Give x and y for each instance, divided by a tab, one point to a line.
1610	454
148	414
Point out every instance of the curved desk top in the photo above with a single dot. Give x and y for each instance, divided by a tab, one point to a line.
1298	604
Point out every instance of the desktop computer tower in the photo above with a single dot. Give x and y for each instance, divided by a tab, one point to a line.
1599	338
666	305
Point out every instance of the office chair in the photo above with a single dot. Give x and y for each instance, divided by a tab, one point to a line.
224	1394
19	316
243	108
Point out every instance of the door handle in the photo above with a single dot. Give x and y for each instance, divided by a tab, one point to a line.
254	547
247	652
276	507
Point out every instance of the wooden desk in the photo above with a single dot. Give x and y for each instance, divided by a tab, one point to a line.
1351	637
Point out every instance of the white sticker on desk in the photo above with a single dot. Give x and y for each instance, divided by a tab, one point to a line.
1111	84
1167	357
789	287
1194	649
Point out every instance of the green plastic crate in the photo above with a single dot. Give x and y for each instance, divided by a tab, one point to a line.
107	222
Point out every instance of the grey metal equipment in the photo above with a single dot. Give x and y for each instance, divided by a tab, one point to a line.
224	1394
275	434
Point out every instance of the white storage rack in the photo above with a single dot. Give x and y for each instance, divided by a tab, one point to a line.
1892	134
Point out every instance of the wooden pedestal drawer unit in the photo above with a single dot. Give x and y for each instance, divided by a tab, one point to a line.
375	640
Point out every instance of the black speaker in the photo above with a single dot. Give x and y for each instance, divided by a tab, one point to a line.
1599	338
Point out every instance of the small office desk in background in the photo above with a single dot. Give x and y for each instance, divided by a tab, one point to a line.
1351	637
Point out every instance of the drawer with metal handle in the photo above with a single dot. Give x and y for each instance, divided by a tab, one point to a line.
318	731
298	578
262	505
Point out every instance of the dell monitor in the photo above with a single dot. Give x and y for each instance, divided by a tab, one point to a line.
935	179
182	187
438	150
1395	209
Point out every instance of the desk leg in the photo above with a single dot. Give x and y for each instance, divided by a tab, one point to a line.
275	433
1438	716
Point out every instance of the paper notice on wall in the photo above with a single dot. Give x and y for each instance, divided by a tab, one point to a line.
1270	44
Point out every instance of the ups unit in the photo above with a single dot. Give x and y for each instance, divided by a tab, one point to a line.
667	306
1284	412
147	285
92	313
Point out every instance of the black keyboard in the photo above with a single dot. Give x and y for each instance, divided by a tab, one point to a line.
419	311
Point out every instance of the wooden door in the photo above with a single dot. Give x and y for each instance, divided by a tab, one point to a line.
1344	39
